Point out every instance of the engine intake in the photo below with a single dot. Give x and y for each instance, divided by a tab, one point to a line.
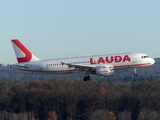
105	70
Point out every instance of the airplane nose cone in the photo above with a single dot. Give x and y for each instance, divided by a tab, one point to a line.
152	61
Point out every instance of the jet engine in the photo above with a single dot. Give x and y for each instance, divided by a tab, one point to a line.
105	70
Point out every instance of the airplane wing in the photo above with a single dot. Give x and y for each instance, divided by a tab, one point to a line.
82	67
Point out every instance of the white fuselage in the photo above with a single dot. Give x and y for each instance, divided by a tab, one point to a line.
55	66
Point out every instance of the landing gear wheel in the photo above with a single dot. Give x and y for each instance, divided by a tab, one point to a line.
136	75
87	78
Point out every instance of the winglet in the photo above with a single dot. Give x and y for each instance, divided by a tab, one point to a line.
22	53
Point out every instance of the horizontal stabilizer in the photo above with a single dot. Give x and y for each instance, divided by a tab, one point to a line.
21	66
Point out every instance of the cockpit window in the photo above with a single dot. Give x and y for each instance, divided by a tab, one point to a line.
145	57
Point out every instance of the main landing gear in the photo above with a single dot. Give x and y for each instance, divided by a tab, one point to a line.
135	72
87	77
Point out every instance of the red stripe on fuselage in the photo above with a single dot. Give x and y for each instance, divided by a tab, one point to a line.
28	54
61	71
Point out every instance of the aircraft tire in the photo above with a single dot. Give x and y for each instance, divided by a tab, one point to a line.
87	78
136	75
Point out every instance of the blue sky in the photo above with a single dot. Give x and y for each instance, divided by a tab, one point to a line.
68	28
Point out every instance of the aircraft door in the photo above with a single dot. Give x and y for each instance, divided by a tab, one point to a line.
134	58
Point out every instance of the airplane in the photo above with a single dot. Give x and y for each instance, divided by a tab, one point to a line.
96	64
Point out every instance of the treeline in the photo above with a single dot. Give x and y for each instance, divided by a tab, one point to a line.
8	74
78	100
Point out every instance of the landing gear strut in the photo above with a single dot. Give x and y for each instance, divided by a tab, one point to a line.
87	77
135	72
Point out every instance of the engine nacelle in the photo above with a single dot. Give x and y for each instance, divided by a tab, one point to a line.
105	70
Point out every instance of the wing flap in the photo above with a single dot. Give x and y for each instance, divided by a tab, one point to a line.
82	67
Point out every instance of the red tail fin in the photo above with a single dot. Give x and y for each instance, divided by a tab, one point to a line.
22	53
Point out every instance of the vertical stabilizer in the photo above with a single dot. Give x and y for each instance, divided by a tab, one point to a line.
22	53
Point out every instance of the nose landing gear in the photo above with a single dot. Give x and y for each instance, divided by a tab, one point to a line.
135	72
